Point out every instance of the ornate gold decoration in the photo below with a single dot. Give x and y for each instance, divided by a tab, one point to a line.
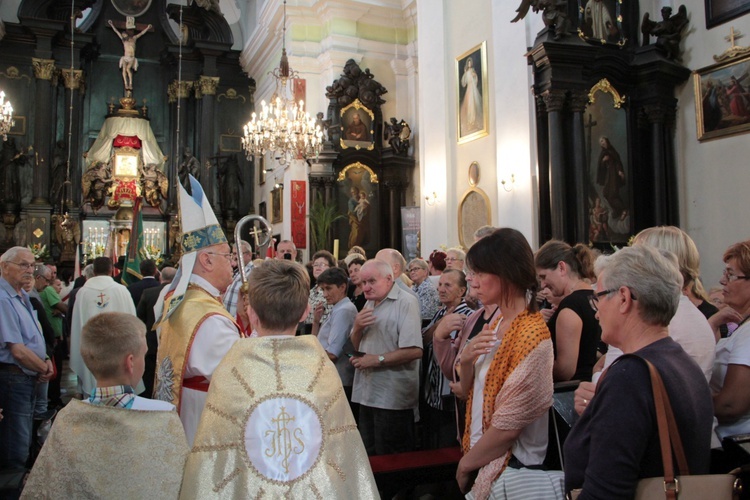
72	78
474	211
197	90
734	50
342	174
208	84
43	68
38	233
231	94
172	92
12	73
603	85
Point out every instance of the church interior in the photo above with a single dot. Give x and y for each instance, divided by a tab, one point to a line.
569	122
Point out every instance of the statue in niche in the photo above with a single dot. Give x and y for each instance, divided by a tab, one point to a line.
554	14
58	173
190	165
397	134
96	182
668	31
11	161
67	235
230	180
154	185
128	62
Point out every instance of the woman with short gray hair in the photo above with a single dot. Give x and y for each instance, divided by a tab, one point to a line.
615	442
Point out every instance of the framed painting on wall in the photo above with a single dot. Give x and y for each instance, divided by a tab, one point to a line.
721	11
277	205
721	106
609	177
356	126
472	109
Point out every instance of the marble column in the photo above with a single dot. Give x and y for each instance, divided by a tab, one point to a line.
43	72
73	81
578	102
554	101
205	91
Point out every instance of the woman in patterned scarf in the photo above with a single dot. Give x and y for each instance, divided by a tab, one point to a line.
506	371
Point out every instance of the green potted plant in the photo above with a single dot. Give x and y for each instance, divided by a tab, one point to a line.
322	216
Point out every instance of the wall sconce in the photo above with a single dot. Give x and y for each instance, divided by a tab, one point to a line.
278	185
509	185
431	199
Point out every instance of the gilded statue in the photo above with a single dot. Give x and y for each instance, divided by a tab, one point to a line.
154	185
67	235
96	182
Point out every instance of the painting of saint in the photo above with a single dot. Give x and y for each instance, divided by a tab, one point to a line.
356	127
600	20
609	198
471	80
359	193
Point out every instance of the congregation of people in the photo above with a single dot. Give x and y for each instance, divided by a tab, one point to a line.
184	375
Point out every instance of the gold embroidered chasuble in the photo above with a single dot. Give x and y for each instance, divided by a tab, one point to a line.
177	335
277	424
108	452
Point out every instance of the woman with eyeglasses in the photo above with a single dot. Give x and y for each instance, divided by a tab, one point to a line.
319	307
689	327
506	372
429	302
731	373
616	442
455	258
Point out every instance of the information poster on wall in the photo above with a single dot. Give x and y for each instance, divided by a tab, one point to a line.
410	226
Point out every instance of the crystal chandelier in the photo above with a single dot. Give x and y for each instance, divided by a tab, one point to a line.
6	116
282	127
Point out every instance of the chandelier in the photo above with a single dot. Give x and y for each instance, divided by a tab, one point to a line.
6	116
282	127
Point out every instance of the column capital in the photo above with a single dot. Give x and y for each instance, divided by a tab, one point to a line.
578	101
207	84
554	100
43	68
72	78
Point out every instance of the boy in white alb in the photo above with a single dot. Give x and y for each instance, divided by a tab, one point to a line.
114	434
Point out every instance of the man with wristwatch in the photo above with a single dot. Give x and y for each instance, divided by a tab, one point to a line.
23	358
387	334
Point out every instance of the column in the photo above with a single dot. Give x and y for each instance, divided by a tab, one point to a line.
656	116
578	102
205	90
554	100
43	71
73	81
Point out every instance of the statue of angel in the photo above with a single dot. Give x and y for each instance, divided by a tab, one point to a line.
154	185
95	182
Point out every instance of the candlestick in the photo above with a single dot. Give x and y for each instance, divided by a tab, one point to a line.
336	250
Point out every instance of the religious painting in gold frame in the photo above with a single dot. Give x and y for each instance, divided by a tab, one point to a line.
357	127
277	205
609	175
126	162
721	108
472	94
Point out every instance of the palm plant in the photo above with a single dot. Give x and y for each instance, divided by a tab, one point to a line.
322	216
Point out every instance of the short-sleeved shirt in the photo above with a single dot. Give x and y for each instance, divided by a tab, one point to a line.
18	325
397	326
334	337
50	299
733	350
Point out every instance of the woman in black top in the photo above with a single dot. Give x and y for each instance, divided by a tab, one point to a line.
355	292
573	326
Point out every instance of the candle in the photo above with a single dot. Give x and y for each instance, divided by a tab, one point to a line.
336	249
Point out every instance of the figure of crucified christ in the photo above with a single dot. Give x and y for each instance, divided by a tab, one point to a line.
128	62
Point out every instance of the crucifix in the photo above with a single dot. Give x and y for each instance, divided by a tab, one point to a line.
255	232
589	126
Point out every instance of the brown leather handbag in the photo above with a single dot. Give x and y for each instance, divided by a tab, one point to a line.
682	486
